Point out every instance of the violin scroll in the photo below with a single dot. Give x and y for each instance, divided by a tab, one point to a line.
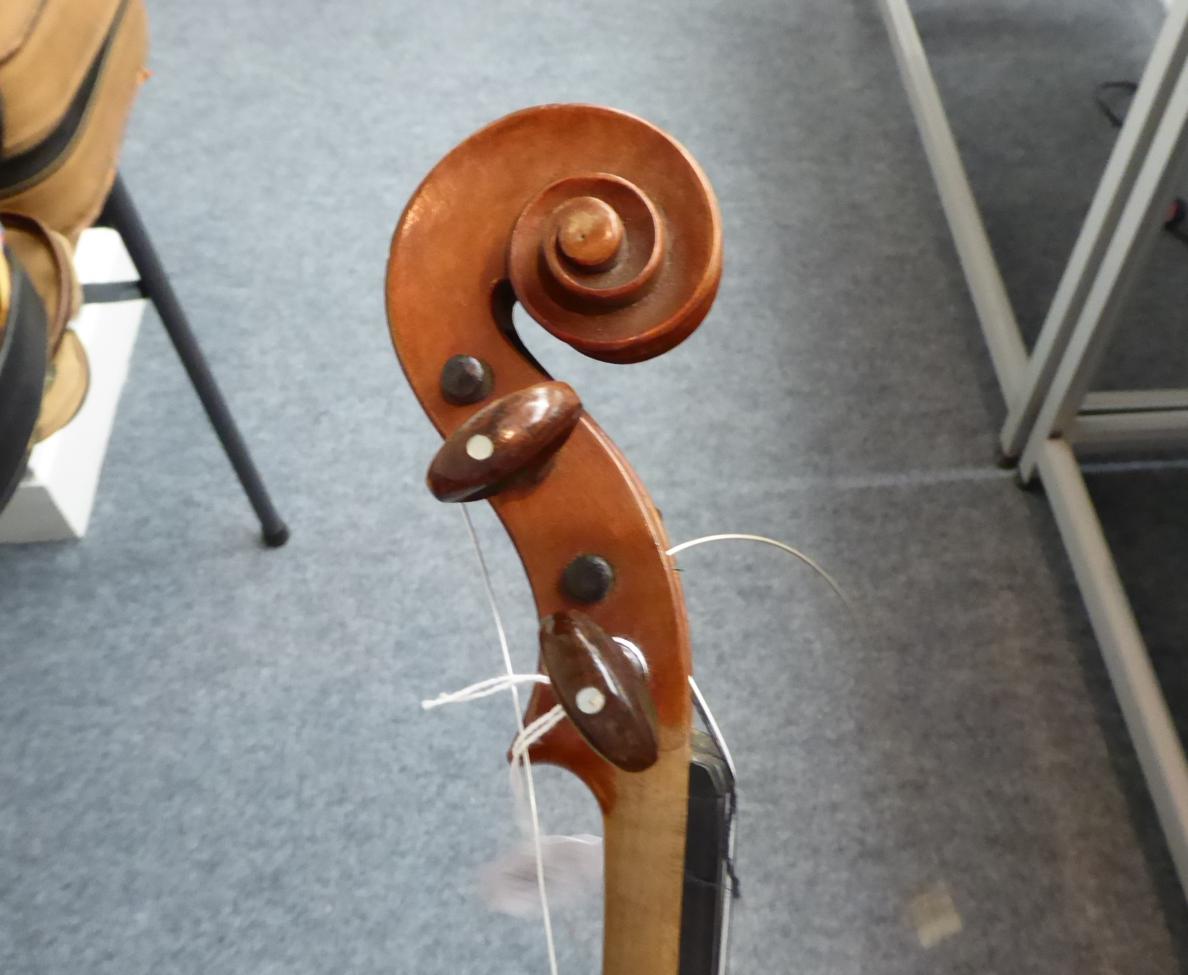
588	250
607	232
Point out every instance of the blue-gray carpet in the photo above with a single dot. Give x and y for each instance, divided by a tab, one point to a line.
212	758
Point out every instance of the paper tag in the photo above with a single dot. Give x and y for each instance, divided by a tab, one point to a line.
572	872
934	915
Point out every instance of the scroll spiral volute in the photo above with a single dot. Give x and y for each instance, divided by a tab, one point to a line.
594	260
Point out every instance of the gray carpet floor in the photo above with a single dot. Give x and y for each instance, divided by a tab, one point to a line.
212	758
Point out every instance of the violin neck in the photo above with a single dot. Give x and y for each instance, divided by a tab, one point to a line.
645	867
668	884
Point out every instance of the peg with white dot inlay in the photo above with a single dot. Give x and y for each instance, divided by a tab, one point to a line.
507	442
600	685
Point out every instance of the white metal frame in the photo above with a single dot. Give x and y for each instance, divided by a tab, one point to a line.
1049	407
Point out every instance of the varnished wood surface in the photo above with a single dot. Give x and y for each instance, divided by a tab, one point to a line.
448	294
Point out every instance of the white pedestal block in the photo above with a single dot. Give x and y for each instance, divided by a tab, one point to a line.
53	502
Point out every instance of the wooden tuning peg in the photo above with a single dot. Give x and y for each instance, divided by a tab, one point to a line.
603	689
504	442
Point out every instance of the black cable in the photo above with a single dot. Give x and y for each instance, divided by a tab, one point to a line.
1109	111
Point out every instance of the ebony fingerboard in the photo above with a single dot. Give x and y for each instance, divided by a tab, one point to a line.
708	886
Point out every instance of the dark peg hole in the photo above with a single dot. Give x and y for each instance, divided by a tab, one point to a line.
588	578
466	379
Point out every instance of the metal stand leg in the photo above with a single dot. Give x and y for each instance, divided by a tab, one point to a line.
990	299
1139	223
121	214
1143	705
1050	408
1146	112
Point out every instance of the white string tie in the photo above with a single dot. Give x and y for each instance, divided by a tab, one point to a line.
483	688
535	731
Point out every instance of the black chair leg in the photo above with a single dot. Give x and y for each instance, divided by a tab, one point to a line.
120	213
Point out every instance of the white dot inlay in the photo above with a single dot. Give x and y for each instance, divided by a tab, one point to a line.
590	700
480	447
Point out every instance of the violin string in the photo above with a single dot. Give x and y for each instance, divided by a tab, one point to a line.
715	733
699	700
534	732
534	813
536	729
529	734
711	724
783	547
